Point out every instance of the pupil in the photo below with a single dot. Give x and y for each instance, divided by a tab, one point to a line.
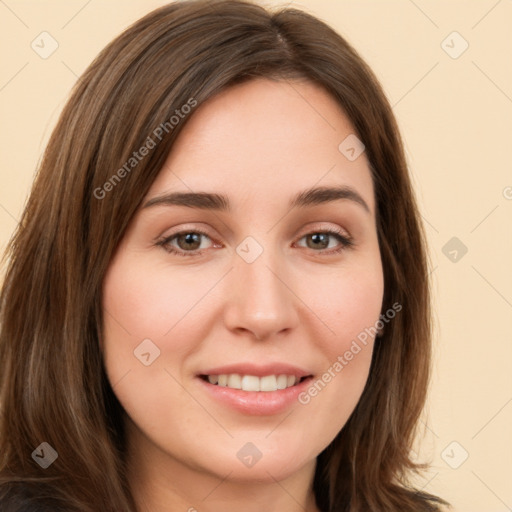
317	237
192	238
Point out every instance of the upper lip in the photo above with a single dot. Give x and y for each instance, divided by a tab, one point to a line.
257	370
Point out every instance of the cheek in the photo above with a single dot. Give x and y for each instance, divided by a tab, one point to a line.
143	300
150	308
348	302
143	315
349	305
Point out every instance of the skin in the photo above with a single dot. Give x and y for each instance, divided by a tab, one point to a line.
259	143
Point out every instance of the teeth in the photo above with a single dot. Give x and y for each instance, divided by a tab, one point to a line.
235	381
250	383
253	383
268	383
282	382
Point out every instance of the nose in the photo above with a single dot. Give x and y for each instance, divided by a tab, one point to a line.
260	298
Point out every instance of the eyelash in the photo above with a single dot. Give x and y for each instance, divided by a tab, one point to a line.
346	242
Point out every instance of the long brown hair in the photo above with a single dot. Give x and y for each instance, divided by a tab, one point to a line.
53	385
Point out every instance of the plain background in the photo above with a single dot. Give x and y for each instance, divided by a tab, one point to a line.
454	108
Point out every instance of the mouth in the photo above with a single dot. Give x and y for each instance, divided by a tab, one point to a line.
255	390
254	383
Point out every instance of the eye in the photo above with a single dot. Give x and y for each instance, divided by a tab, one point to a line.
189	243
185	243
321	240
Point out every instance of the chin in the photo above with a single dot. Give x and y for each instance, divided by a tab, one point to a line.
260	462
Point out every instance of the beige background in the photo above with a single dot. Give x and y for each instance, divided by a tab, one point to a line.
456	119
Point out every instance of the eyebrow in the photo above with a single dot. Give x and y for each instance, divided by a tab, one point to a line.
220	202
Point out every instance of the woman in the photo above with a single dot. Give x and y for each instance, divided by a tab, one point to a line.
217	296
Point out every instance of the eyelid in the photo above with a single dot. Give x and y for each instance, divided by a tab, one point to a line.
325	228
187	228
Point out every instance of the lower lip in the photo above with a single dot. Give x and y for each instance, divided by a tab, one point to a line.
256	403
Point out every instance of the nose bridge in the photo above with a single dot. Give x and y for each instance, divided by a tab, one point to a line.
260	301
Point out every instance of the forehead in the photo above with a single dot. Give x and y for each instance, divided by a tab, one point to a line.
265	139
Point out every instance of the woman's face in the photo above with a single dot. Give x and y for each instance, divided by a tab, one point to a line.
268	287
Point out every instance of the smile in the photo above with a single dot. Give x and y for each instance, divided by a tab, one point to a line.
253	382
